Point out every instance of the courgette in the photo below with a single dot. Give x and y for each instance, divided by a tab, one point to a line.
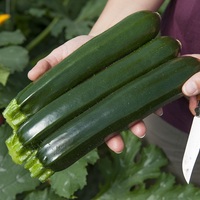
85	95
98	53
132	102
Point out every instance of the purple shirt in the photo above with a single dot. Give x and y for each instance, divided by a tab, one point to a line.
182	21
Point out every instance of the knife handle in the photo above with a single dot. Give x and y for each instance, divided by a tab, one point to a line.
197	109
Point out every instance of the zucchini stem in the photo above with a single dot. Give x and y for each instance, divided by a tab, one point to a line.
22	155
37	169
13	115
16	150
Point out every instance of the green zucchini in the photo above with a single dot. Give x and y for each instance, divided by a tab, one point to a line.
98	53
85	95
132	102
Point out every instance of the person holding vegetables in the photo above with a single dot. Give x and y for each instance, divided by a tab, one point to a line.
170	127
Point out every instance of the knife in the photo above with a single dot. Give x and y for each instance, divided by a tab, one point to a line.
192	146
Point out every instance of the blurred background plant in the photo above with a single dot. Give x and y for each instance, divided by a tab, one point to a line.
29	30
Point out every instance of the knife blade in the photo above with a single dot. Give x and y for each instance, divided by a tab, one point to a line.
192	146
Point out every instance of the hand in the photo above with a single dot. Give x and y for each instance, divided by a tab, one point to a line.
191	88
114	141
56	56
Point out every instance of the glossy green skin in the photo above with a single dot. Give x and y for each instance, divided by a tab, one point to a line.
88	93
98	53
132	102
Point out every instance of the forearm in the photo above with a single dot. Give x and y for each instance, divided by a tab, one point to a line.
116	10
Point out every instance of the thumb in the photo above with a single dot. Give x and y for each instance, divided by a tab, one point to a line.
56	56
192	86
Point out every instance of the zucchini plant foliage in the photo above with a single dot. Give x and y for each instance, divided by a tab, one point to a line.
33	30
134	174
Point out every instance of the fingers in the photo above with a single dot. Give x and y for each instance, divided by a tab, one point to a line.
191	88
40	68
56	56
193	55
138	129
192	85
159	112
115	141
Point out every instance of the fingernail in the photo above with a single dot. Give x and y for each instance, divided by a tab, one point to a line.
142	136
29	73
118	152
159	112
190	88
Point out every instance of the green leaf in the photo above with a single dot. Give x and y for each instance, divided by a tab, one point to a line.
15	58
46	194
14	38
136	174
71	28
37	12
14	179
83	23
57	7
4	73
165	187
74	29
130	168
59	26
66	182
